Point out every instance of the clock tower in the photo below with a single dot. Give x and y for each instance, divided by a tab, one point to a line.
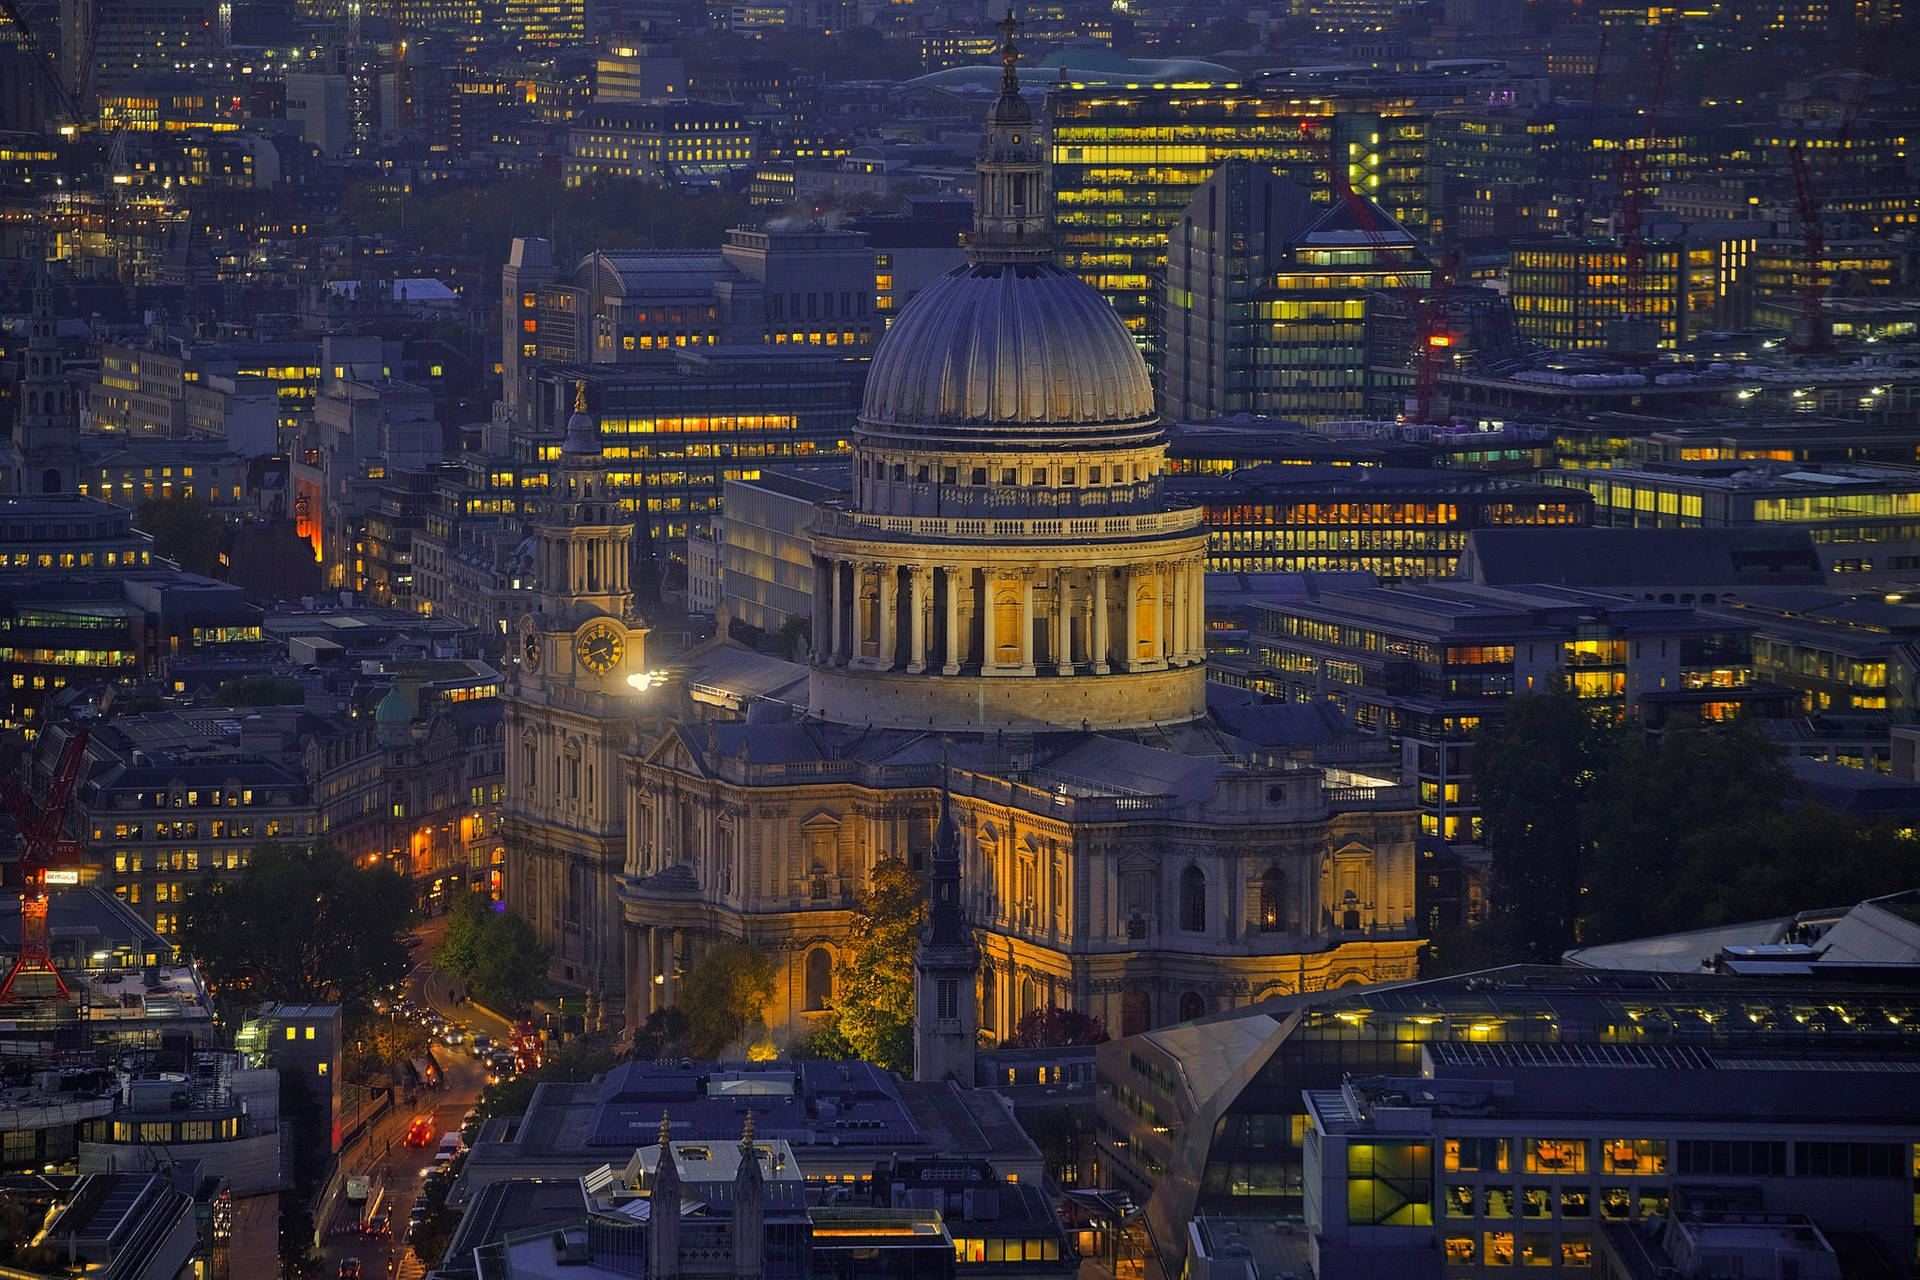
570	714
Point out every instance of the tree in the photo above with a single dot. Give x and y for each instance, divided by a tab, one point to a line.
822	1044
873	985
299	926
496	951
376	1043
186	531
724	997
1534	774
296	1236
260	691
1056	1028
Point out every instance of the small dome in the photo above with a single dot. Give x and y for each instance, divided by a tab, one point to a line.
582	435
395	708
1008	345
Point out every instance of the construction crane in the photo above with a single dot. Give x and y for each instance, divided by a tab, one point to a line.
49	859
1430	337
1630	175
46	62
1810	200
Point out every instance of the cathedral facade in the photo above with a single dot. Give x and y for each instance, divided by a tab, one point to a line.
1009	619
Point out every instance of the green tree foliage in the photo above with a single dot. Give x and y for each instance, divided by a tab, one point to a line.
496	951
1055	1028
822	1044
376	1043
663	1034
186	531
297	1257
1599	834
602	213
873	984
1534	775
260	691
725	996
299	926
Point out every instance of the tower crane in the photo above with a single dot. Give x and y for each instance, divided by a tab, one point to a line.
49	859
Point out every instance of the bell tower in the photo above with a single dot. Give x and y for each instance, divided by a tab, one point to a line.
1012	204
585	539
946	968
44	454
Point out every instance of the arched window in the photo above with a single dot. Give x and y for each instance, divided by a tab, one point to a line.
819	979
1147	613
1193	900
1136	1012
989	1000
1029	997
50	482
1192	1005
1272	895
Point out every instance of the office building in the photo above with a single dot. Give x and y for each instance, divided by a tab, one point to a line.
1128	159
1575	296
1426	664
1213	1125
765	548
1864	518
639	70
693	144
1269	295
1392	522
810	287
106	43
675	431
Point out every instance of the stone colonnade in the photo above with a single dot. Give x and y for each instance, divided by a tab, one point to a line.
874	614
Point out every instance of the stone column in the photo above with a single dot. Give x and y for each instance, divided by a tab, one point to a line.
669	950
1130	608
649	990
836	654
1099	643
1169	612
951	665
919	585
889	601
1062	624
857	655
631	967
1177	643
1197	607
823	597
1026	622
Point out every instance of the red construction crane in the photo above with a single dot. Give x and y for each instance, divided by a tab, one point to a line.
1430	337
49	859
1810	201
1630	174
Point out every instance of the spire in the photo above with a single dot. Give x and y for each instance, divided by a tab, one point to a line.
946	917
666	1128
1011	200
583	436
746	1134
1009	57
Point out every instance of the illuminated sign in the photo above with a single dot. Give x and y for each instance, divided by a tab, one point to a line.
63	877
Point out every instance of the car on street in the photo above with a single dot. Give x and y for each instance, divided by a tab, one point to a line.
420	1133
349	1269
378	1226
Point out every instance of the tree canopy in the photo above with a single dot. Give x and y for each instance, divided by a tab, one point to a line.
1599	834
496	951
725	995
1054	1028
873	983
299	926
601	213
186	531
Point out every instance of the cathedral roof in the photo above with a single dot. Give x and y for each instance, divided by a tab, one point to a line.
1005	344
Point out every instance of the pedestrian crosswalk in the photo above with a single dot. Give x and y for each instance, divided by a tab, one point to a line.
409	1268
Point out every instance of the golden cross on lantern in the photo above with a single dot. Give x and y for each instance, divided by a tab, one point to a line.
580	396
1009	55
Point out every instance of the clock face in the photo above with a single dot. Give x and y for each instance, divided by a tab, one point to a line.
599	649
530	649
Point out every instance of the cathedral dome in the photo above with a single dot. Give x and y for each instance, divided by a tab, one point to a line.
1007	344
